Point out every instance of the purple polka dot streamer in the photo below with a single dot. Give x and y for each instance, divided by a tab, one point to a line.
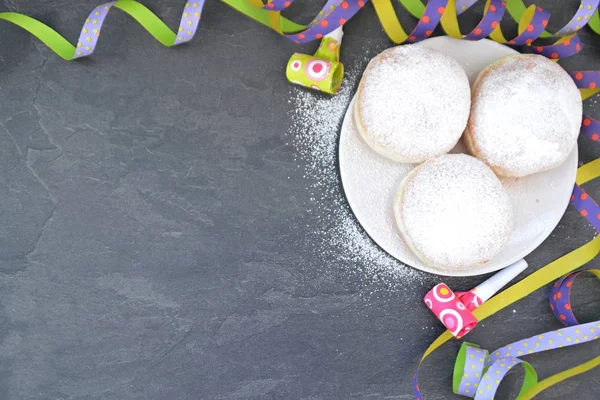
483	372
429	20
587	8
277	5
586	79
490	20
334	14
580	19
580	199
90	32
560	298
337	12
534	29
586	206
568	46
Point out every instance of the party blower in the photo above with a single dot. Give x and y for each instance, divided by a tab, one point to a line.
455	309
322	71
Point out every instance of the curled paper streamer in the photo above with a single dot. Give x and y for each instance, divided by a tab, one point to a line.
560	297
586	205
454	310
334	14
478	374
323	71
589	84
472	369
531	21
90	32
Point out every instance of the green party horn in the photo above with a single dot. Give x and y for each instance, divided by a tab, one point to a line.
322	71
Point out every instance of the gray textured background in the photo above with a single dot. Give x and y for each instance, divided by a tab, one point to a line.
155	238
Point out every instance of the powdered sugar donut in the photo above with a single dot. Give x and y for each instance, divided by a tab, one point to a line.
412	103
453	212
525	116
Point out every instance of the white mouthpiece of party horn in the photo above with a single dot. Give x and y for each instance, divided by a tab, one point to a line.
336	34
490	287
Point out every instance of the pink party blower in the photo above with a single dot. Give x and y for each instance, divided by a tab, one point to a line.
455	309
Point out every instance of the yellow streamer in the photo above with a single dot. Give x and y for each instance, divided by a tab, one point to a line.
587	172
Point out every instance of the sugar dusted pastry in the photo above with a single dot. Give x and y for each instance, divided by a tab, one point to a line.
412	103
525	115
453	212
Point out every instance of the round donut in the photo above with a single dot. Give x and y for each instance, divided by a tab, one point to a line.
412	103
453	212
525	115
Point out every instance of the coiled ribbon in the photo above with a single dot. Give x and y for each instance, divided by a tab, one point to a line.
90	32
531	21
478	373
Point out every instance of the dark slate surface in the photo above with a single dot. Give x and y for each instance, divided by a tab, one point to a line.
153	227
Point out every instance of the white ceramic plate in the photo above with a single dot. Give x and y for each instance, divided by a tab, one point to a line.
370	180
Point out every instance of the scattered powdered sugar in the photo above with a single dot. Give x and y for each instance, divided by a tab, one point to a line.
526	115
456	212
413	103
314	131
